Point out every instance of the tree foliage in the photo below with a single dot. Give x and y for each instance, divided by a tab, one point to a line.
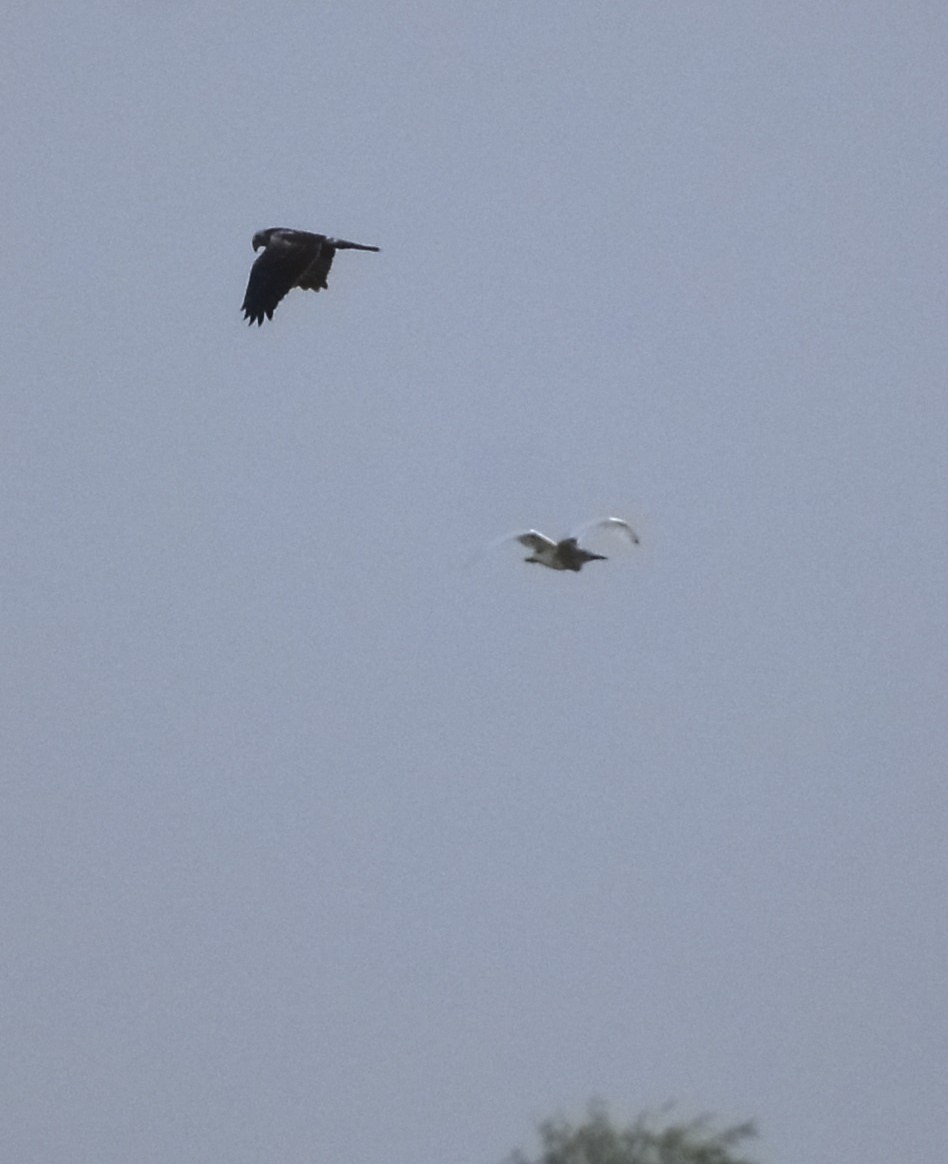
650	1140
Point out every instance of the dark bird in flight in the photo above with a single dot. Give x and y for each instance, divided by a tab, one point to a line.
291	258
568	554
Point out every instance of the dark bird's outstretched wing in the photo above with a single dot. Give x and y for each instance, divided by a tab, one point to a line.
291	258
286	256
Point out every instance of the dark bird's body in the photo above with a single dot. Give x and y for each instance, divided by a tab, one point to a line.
291	258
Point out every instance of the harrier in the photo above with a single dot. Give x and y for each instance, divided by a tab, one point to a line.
291	258
568	554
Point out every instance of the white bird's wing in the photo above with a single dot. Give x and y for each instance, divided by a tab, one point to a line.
533	540
611	523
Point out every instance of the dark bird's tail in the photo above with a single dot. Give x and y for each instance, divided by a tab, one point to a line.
341	245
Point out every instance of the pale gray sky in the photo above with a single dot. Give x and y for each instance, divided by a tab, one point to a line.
320	844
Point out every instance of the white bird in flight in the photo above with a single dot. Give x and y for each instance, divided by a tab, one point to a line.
568	554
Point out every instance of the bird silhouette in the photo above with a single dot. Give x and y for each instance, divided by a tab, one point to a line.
568	554
291	258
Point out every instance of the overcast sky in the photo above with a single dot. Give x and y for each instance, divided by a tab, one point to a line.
325	837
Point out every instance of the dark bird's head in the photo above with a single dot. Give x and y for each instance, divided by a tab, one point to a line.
261	238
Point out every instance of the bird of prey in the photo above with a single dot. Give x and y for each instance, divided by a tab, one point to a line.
291	258
568	554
